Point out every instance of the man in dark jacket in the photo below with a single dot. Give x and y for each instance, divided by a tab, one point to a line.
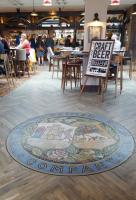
1	46
68	42
2	69
49	42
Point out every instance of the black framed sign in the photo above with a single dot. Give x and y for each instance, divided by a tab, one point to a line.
99	57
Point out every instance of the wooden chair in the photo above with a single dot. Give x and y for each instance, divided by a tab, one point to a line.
127	57
113	74
116	72
7	69
55	63
71	71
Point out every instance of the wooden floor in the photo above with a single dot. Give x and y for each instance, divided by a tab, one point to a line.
40	95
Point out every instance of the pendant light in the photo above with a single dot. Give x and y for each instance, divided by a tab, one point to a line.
33	13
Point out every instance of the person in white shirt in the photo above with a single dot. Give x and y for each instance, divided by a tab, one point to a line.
117	44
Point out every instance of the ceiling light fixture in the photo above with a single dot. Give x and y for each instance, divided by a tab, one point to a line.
33	13
47	2
83	14
115	2
53	12
20	24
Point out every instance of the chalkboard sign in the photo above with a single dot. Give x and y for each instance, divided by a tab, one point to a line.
99	58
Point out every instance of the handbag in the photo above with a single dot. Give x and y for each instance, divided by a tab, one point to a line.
41	48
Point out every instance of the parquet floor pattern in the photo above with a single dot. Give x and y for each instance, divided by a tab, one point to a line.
40	95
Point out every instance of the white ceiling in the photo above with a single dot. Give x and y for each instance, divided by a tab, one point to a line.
27	5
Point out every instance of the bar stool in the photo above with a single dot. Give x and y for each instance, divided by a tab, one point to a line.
71	71
22	62
115	70
7	69
56	63
128	58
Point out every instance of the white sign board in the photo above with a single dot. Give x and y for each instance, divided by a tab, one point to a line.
99	58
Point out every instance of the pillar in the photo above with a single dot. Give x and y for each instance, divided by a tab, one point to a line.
132	31
91	7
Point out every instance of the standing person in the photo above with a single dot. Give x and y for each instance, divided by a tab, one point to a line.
33	42
40	50
68	42
117	44
109	36
44	38
49	42
49	47
2	50
6	45
18	37
62	41
24	44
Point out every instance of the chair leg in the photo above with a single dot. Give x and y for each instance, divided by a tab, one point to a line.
62	77
50	65
7	66
7	77
63	82
27	67
99	87
52	71
130	70
70	73
23	68
11	75
121	77
77	75
116	84
103	88
83	87
58	67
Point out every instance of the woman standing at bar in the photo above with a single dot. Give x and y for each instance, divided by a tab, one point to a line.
24	44
40	50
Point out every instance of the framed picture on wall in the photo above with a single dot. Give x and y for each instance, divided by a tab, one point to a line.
94	33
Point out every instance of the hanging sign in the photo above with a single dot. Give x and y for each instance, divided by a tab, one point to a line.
47	2
99	58
115	2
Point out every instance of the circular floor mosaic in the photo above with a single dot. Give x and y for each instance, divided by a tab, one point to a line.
70	144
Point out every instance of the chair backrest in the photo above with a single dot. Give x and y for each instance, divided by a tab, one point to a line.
21	54
50	51
6	64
